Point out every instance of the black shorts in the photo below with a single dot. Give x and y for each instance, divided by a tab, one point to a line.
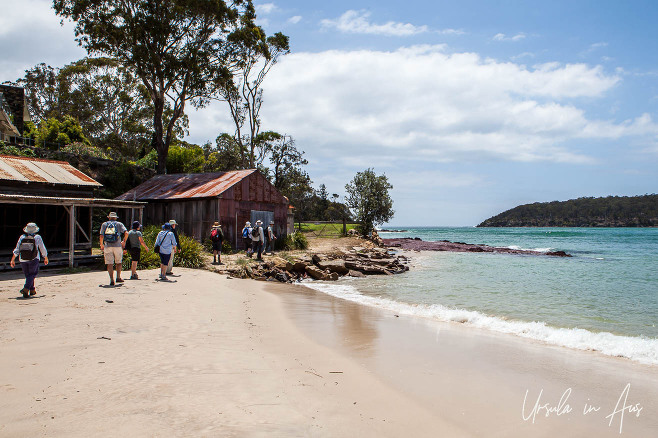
135	253
217	246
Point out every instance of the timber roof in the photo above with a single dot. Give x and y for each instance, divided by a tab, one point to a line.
37	170
186	185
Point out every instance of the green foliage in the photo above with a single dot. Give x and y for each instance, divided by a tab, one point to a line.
612	211
15	151
367	196
325	230
295	241
191	254
55	133
185	158
149	161
78	148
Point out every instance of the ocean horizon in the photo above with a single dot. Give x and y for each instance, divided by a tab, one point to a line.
603	298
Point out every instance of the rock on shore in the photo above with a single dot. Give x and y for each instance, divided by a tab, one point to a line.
416	244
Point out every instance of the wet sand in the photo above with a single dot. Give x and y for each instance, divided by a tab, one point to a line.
209	356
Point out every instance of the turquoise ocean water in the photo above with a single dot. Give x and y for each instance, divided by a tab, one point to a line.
604	298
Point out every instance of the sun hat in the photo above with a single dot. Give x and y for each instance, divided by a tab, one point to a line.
173	222
271	222
215	225
248	223
136	225
166	226
113	214
31	228
258	222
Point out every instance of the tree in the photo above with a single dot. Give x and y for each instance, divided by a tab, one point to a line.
243	92
180	50
368	198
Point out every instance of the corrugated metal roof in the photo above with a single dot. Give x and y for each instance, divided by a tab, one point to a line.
185	186
43	171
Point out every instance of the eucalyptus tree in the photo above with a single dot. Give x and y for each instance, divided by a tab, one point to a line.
243	91
369	200
180	50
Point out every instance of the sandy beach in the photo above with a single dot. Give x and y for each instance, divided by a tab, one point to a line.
212	356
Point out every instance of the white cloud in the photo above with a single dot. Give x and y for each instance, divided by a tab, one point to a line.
357	22
503	37
419	105
294	20
265	8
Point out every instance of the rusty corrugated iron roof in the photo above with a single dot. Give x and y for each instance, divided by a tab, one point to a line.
44	171
186	185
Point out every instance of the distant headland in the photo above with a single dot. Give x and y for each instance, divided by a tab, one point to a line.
611	211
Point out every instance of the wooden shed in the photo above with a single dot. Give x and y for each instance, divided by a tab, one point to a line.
197	200
60	199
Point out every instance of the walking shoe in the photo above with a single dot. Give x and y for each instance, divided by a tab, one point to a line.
134	277
111	282
119	280
24	292
33	291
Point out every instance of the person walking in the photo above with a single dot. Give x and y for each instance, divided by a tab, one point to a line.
29	250
165	245
217	238
112	245
246	238
270	237
174	228
133	243
258	238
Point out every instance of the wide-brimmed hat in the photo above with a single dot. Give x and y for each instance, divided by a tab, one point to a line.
258	222
173	222
166	226
248	223
216	225
271	222
31	228
113	214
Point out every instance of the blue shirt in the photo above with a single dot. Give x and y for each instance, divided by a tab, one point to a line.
38	241
166	240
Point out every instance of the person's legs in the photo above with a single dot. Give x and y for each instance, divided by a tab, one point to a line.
133	268
164	262
170	265
109	261
34	271
219	253
260	250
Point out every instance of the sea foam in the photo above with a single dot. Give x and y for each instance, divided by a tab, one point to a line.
640	349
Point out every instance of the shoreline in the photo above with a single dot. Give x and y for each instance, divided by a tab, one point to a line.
271	359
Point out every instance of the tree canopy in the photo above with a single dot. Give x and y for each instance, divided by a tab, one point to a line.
181	50
369	200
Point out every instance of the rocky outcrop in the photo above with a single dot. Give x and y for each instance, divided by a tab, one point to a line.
416	244
357	262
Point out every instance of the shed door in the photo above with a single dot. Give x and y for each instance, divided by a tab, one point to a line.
265	216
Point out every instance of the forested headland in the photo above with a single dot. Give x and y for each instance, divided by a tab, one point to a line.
611	211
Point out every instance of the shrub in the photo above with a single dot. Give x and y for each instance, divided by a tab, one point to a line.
226	246
15	151
79	148
296	240
191	254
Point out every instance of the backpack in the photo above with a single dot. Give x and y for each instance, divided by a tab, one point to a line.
28	248
245	232
216	235
254	233
111	234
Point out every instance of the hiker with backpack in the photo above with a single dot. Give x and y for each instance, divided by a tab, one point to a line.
133	243
165	245
258	238
29	250
217	238
112	245
246	238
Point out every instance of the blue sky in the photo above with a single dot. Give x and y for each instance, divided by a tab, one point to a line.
470	108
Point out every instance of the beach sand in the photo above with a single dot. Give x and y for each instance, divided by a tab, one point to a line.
211	356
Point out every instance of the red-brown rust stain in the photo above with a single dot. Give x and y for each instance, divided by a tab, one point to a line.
80	175
5	175
26	171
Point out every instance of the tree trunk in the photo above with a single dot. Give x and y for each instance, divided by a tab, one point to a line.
158	141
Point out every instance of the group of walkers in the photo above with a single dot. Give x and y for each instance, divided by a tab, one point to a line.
115	239
256	240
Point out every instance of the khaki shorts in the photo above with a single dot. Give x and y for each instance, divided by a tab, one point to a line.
113	255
